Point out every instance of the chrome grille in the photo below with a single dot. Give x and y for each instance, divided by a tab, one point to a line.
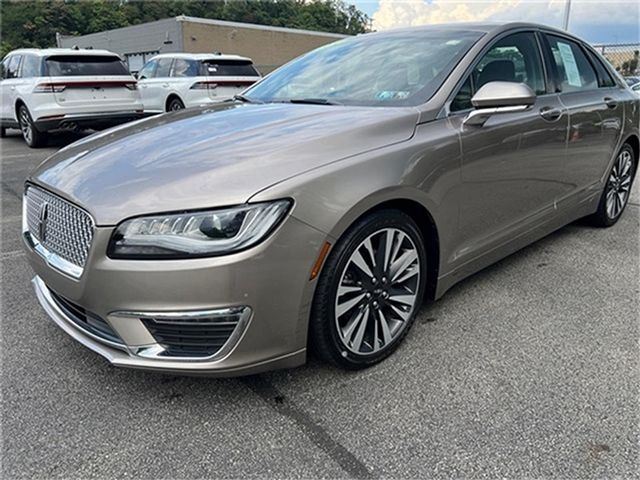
67	230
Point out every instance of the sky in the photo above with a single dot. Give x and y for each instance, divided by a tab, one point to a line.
603	21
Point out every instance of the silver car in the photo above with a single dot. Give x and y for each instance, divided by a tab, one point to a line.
319	209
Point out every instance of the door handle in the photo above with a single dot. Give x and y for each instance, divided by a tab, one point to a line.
165	85
13	87
611	103
551	114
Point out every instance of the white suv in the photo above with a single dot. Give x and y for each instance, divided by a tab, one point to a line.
54	89
174	81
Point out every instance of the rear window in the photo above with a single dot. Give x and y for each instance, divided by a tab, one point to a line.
228	68
74	65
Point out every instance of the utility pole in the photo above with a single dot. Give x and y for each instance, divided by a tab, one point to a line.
567	11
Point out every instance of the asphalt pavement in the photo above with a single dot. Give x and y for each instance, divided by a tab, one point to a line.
530	368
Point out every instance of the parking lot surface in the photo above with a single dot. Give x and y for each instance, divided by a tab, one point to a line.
530	368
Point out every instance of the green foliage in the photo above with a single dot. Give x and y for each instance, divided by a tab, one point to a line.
35	23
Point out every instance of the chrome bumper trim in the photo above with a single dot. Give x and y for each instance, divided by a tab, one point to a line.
157	352
149	355
53	260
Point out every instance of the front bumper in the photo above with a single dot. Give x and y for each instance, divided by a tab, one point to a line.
87	120
271	279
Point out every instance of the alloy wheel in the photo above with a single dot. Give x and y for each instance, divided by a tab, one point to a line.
619	184
377	292
25	125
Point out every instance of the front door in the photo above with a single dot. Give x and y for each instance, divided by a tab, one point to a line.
512	166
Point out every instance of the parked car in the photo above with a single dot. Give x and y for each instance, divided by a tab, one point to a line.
323	205
631	81
63	88
174	81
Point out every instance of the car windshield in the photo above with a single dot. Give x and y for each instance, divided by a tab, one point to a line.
75	65
392	69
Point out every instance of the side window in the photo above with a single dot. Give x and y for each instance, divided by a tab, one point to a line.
148	70
604	78
30	66
164	67
462	100
514	58
13	66
184	68
4	66
574	73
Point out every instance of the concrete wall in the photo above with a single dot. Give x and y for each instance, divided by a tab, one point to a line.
268	47
146	37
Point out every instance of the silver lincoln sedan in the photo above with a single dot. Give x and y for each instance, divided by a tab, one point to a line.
320	208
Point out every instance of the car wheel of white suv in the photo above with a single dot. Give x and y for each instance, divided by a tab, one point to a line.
175	104
31	135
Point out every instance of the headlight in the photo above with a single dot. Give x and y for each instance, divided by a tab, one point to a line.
196	234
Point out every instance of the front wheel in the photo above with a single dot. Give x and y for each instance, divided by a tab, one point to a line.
31	135
370	291
616	192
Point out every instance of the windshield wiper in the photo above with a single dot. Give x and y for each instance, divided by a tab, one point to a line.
243	98
313	101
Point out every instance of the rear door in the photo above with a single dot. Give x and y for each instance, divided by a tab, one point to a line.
9	85
92	82
513	165
156	88
595	112
227	77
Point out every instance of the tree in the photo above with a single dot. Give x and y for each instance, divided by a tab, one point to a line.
35	23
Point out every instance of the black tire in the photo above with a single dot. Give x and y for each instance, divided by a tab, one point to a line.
31	135
617	183
3	132
175	104
326	336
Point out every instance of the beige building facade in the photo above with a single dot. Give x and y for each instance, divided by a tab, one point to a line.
268	47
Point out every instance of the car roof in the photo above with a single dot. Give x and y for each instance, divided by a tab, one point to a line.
480	27
202	56
47	52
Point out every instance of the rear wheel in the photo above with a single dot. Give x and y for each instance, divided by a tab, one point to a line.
616	192
3	132
175	104
31	135
370	291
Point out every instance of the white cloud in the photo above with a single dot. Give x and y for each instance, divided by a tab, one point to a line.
403	13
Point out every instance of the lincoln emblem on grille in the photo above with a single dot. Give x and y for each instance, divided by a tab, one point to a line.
42	221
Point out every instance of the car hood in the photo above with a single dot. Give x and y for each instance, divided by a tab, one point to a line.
213	156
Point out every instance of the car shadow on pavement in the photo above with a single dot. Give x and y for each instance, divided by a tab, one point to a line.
55	140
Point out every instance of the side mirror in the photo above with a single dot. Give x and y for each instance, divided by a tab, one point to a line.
135	75
499	97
